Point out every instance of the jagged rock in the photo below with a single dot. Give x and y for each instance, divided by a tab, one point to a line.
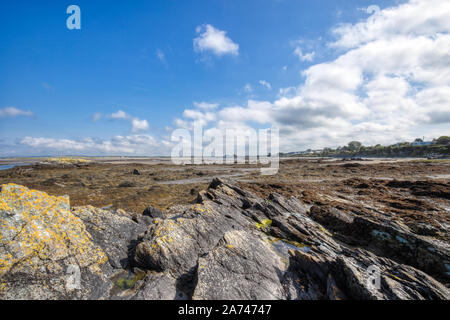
231	244
136	172
333	292
388	239
115	234
175	244
314	267
43	246
350	270
158	286
426	230
153	212
241	266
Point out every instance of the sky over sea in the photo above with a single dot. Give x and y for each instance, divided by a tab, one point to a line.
323	72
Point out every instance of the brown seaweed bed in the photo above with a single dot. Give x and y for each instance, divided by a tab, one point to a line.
414	192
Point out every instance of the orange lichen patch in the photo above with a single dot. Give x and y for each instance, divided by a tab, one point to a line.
164	233
200	209
93	214
35	226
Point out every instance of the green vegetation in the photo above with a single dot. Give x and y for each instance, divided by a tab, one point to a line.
438	148
125	283
443	140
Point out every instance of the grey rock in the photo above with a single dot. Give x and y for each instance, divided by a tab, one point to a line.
388	239
153	212
231	244
158	286
46	251
241	266
115	233
314	267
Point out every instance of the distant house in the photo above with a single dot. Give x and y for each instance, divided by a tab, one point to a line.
421	143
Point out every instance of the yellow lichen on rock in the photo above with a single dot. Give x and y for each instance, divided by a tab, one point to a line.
67	160
264	224
35	227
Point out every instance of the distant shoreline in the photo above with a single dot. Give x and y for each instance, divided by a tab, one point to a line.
12	162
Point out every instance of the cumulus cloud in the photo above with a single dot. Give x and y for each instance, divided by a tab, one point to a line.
413	19
119	115
12	112
139	125
136	123
214	40
390	81
254	111
133	145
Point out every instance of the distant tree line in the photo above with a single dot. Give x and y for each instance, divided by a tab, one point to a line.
437	148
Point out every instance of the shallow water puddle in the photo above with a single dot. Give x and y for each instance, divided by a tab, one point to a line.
12	165
282	247
126	280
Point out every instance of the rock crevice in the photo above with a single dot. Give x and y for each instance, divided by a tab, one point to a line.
230	244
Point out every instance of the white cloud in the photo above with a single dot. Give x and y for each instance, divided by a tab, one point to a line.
390	81
288	91
304	56
215	41
134	144
413	19
12	112
136	123
205	105
255	111
199	116
139	125
119	115
266	84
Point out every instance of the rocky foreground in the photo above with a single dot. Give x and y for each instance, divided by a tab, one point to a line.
230	244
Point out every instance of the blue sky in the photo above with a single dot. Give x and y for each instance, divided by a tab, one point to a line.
140	58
